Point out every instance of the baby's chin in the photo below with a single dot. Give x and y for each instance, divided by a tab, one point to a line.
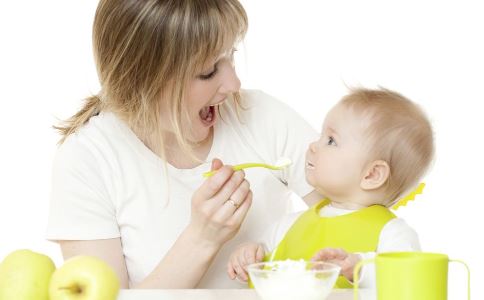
320	190
326	192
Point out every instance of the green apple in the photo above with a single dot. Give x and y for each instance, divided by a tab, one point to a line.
84	278
25	275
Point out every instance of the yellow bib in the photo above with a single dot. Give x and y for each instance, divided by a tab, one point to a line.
354	232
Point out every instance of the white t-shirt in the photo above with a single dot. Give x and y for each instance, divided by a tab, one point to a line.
107	184
396	235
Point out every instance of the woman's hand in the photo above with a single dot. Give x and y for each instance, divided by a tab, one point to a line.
219	206
243	256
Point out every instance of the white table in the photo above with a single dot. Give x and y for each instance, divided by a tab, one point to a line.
235	294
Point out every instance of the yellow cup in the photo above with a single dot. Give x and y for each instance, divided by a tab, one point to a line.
410	276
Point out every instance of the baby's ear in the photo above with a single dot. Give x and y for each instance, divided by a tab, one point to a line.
375	175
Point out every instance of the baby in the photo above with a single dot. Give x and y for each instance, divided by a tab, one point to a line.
375	145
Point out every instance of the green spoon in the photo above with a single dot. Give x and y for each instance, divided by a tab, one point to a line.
279	165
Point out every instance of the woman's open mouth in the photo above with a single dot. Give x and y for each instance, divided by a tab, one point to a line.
208	115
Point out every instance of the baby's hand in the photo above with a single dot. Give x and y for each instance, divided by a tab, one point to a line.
243	256
346	261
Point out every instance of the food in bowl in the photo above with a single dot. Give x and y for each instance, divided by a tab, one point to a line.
291	279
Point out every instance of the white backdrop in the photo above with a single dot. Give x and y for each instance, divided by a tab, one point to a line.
303	52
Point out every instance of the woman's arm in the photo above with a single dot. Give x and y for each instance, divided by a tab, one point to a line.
182	266
108	250
213	222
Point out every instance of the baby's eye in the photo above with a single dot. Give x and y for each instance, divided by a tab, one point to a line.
331	141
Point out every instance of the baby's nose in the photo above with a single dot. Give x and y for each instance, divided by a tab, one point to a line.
312	147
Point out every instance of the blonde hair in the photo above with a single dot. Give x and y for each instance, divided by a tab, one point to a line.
148	49
399	133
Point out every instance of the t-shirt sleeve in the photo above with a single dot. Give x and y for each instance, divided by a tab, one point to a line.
81	207
290	136
396	235
275	233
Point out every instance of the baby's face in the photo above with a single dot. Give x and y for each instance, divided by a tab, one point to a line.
335	162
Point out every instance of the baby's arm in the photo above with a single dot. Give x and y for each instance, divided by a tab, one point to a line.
244	255
252	252
396	235
340	257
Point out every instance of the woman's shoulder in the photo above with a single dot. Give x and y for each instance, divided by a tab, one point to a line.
98	137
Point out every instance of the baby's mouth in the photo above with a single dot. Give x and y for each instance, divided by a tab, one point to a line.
309	165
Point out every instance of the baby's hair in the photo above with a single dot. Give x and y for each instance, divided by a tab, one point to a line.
399	133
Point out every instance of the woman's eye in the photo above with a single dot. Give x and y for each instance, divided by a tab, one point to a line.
209	75
331	141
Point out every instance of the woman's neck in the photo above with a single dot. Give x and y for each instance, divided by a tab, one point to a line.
173	152
176	157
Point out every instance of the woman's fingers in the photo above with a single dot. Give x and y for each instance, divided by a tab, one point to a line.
228	189
226	194
216	164
232	202
241	212
213	185
216	202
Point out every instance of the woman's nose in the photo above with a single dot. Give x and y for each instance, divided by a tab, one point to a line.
230	81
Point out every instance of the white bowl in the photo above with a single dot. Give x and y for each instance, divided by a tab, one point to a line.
293	280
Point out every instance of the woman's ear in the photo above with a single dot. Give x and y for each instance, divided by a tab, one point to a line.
376	174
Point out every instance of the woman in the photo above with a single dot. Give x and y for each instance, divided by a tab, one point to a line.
127	179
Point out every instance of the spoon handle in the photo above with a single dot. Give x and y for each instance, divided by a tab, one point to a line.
243	166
